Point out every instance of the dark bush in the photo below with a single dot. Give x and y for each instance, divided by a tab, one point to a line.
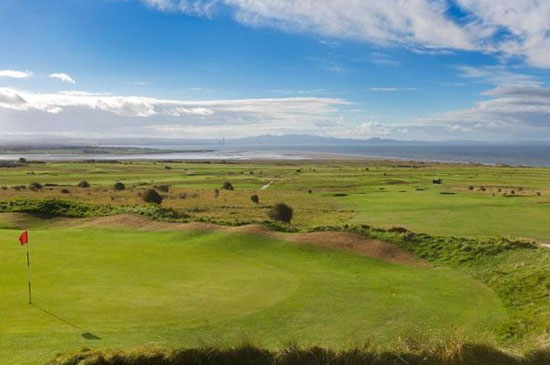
35	186
164	188
227	186
152	196
281	212
255	199
65	191
398	230
84	184
22	160
119	186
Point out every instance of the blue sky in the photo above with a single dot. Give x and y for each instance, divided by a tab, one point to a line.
418	69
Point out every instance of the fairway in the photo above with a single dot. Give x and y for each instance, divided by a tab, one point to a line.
187	288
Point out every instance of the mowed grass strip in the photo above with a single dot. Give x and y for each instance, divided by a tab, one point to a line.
188	288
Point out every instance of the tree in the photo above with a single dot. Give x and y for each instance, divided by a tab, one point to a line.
281	212
119	186
152	196
84	184
227	186
255	199
22	160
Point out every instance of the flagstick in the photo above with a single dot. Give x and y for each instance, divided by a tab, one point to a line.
29	273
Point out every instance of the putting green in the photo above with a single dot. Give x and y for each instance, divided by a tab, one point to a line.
183	288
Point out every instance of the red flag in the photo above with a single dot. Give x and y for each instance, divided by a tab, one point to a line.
24	238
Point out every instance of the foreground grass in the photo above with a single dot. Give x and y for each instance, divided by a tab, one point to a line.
450	354
120	288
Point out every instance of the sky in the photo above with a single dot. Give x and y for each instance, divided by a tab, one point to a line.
428	70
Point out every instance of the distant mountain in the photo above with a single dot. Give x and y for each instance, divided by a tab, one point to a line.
306	139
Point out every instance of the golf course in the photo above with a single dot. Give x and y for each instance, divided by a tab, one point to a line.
376	253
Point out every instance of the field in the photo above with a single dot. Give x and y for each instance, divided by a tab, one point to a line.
504	201
104	282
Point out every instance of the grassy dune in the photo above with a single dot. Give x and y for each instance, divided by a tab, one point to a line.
188	288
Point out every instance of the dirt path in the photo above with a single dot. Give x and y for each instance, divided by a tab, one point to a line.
267	185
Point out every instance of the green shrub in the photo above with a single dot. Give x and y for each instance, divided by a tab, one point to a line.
84	184
281	212
227	186
152	196
119	186
255	199
35	186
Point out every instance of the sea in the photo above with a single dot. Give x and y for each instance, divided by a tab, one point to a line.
490	154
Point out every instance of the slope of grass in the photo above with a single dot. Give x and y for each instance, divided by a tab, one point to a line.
516	270
122	288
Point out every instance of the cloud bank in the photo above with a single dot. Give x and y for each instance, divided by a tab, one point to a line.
509	113
82	113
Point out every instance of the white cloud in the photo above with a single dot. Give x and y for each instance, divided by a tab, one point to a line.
81	113
512	112
14	74
497	75
509	27
63	77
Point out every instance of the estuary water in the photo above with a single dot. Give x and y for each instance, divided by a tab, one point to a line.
502	154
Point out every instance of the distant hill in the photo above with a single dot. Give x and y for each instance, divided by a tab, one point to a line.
307	139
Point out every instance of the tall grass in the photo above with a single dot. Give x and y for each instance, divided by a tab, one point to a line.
453	354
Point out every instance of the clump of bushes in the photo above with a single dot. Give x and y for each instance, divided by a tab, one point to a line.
255	199
151	196
118	186
227	186
84	184
35	186
281	212
65	191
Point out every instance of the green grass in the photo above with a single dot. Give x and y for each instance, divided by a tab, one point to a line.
189	288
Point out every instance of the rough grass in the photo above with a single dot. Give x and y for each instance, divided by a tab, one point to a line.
386	195
449	354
